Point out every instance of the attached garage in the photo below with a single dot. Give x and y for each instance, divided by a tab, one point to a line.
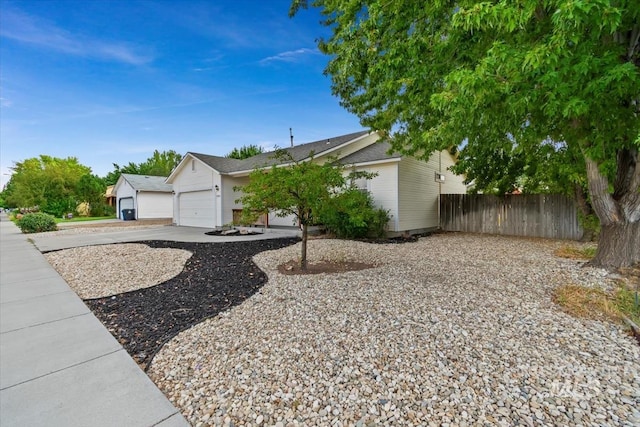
197	209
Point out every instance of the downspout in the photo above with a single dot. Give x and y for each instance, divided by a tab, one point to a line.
439	188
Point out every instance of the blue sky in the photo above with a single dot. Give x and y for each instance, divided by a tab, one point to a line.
111	81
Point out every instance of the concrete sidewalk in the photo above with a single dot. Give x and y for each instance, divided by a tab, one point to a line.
59	366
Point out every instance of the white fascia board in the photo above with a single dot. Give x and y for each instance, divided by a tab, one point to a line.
376	162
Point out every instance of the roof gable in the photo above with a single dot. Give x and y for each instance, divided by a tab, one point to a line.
146	182
225	165
376	152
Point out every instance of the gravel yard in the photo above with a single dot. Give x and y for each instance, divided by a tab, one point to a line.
117	268
453	329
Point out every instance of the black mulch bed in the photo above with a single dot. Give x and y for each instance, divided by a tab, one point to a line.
218	276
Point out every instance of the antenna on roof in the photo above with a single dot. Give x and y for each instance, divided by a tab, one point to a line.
291	136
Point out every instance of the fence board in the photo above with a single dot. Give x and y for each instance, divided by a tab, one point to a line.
535	215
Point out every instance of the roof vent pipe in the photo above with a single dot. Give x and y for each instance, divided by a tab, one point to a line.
291	136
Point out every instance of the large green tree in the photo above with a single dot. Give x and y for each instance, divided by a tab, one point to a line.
47	182
488	75
159	164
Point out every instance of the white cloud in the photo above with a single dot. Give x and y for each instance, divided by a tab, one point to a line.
26	29
5	103
289	56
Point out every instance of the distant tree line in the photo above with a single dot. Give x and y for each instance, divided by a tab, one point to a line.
57	186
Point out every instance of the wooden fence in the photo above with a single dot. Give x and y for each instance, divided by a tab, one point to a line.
536	215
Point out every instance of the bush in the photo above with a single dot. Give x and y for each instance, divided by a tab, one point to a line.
107	210
37	223
58	208
352	215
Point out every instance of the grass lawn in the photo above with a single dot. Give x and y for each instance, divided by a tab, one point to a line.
83	218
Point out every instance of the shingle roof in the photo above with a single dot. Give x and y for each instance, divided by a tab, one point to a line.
298	152
147	182
221	164
371	153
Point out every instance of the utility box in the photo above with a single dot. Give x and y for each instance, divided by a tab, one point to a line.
128	214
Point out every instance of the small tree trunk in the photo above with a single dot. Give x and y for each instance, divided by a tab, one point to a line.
303	251
585	214
619	246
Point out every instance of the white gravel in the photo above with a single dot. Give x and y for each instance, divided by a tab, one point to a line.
100	271
455	329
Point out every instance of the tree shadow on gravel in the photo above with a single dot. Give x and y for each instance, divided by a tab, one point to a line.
217	277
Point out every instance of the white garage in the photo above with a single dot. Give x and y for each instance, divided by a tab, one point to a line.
147	197
197	209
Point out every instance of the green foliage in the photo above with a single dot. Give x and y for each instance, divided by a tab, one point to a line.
159	164
59	207
245	152
352	214
104	210
37	223
91	189
290	188
533	94
299	188
591	224
45	181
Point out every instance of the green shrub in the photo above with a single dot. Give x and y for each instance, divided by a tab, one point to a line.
108	210
37	223
59	207
352	215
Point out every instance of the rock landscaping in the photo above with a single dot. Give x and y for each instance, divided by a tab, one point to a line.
451	329
214	279
114	269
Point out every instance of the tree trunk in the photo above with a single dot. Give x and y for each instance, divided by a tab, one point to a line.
618	246
619	213
586	214
303	251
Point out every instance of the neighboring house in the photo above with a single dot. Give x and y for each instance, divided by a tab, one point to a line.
110	196
150	196
204	196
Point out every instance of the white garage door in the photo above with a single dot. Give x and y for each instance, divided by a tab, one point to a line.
197	209
126	203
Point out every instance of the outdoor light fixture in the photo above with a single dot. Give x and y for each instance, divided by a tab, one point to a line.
217	188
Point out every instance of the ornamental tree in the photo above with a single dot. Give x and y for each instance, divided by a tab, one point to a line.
298	188
532	76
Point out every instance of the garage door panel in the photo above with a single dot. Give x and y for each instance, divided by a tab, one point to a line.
197	209
126	203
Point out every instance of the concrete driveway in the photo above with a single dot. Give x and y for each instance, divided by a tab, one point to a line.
87	236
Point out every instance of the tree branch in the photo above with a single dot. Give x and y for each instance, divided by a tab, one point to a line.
634	40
